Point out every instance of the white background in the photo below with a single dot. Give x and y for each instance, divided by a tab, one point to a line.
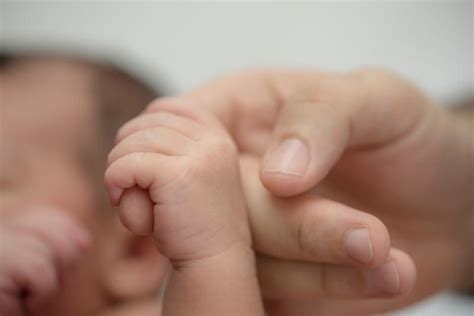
185	44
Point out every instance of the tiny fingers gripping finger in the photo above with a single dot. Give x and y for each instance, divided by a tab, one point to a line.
147	171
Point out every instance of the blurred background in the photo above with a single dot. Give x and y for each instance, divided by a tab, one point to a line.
183	44
178	45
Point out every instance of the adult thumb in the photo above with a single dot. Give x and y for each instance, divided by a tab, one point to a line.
307	141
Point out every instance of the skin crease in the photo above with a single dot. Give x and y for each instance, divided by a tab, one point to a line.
28	278
76	196
403	159
41	132
197	208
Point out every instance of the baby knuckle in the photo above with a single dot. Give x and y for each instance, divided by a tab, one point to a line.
219	154
111	157
148	135
153	106
122	130
40	267
223	147
135	160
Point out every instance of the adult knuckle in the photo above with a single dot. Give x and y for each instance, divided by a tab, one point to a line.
306	234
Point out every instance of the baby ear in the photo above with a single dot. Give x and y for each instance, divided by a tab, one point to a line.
135	268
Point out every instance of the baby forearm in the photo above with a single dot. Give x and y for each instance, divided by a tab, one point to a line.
224	284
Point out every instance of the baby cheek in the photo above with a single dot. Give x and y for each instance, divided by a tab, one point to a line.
67	187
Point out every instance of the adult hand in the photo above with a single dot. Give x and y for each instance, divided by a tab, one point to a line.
371	153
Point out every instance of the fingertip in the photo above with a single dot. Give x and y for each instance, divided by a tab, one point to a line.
282	185
393	278
380	239
406	269
114	194
136	211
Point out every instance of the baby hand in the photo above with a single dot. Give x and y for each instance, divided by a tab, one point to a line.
175	173
37	250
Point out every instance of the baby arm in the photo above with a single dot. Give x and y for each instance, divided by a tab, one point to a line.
37	249
174	173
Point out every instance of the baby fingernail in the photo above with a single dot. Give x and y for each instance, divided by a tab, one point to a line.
358	245
384	279
114	194
291	157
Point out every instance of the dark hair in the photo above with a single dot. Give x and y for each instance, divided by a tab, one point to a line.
120	95
5	59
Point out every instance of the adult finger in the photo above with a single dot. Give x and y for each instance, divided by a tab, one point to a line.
310	227
305	120
317	124
292	280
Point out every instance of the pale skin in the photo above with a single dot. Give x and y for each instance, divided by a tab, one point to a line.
50	244
49	201
382	156
291	264
178	179
379	155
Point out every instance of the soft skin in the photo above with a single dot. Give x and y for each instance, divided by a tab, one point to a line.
364	149
178	179
50	149
38	252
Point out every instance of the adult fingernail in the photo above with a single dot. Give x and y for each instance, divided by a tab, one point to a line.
383	279
290	157
358	245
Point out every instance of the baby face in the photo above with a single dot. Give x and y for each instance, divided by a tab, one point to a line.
41	135
48	132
